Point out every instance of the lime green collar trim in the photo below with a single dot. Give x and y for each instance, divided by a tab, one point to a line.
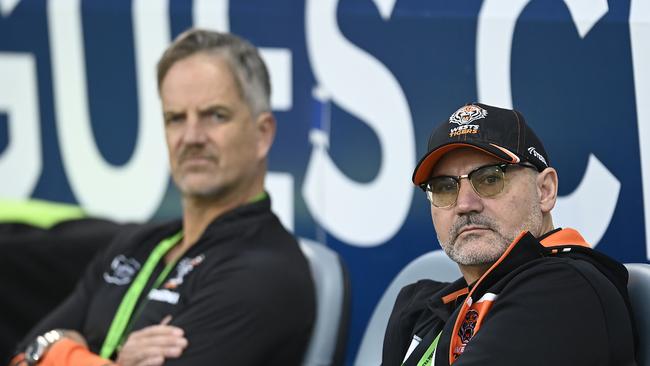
258	197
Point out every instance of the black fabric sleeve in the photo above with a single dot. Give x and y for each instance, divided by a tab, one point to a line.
41	267
550	314
70	314
72	311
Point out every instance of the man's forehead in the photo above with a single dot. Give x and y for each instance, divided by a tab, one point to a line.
462	160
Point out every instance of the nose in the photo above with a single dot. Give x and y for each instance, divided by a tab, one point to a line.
468	200
194	130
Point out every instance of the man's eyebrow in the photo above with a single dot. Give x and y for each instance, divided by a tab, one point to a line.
212	108
169	114
172	112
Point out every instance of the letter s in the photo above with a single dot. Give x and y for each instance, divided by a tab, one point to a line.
362	214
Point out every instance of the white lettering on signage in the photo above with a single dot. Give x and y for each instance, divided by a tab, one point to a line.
494	32
361	214
20	162
586	14
281	186
639	36
279	61
7	7
585	208
385	7
134	190
590	207
211	14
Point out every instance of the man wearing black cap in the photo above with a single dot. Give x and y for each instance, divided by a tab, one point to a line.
530	294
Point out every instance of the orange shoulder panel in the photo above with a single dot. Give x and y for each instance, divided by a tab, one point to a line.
454	295
565	237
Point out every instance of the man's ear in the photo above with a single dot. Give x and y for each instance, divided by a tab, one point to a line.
547	183
266	126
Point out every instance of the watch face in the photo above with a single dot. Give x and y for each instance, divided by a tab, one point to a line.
35	350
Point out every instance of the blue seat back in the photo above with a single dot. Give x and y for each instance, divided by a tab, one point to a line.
638	287
327	344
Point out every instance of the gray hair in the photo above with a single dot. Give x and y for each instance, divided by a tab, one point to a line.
251	74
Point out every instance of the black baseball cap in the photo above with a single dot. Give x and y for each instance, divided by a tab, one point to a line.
502	133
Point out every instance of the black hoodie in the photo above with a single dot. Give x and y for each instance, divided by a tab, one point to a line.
243	293
547	301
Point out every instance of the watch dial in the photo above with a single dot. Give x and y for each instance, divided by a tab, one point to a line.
35	350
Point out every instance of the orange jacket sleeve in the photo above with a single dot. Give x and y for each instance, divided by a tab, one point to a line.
67	352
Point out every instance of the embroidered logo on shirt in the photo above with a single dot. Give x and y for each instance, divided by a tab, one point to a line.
466	330
164	295
122	270
185	266
469	322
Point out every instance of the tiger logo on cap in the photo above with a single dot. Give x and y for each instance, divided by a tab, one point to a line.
467	114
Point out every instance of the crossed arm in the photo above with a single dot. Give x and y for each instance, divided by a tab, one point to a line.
149	346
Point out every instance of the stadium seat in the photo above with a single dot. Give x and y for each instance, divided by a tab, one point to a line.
434	265
327	344
638	287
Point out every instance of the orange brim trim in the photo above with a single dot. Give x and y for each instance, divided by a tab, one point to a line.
423	170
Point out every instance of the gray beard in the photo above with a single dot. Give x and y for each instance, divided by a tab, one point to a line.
491	250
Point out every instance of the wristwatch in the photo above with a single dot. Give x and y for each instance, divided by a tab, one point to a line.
36	350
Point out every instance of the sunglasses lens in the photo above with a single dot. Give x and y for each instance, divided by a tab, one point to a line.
488	181
442	191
